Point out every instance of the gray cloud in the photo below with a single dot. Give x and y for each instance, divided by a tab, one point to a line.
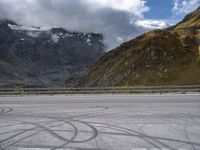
74	15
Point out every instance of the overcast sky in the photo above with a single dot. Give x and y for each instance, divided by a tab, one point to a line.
117	20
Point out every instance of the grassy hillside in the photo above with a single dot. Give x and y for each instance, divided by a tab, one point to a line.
160	57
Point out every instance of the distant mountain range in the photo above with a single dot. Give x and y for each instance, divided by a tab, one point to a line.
159	57
37	56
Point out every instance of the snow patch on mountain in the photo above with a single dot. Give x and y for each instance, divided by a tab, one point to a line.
55	38
89	41
26	28
33	34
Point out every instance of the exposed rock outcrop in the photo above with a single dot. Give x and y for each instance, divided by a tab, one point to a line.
35	56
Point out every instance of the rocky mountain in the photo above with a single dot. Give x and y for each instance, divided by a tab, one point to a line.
36	56
159	57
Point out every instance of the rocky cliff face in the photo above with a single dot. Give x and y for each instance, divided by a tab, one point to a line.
160	57
37	56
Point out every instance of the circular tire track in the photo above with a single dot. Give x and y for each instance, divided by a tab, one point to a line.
66	141
144	136
42	128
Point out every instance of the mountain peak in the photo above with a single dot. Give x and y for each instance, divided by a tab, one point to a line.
160	57
44	56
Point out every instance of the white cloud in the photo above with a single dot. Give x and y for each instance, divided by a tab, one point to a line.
185	6
137	7
152	24
112	18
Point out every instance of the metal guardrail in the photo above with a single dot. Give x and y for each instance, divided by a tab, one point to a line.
107	88
100	90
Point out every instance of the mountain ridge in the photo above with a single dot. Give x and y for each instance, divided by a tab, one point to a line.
160	57
37	56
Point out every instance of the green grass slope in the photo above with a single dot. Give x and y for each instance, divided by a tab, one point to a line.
160	57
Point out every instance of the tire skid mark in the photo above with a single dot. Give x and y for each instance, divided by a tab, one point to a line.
1	110
5	110
62	119
9	132
95	132
43	128
18	134
161	143
157	141
152	137
10	125
67	141
97	135
37	127
106	144
70	121
27	130
127	133
58	136
147	140
73	119
22	139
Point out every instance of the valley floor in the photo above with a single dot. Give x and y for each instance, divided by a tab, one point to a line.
103	122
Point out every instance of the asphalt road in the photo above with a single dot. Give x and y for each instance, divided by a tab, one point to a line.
118	122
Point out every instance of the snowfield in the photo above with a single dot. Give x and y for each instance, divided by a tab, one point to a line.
27	28
145	122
